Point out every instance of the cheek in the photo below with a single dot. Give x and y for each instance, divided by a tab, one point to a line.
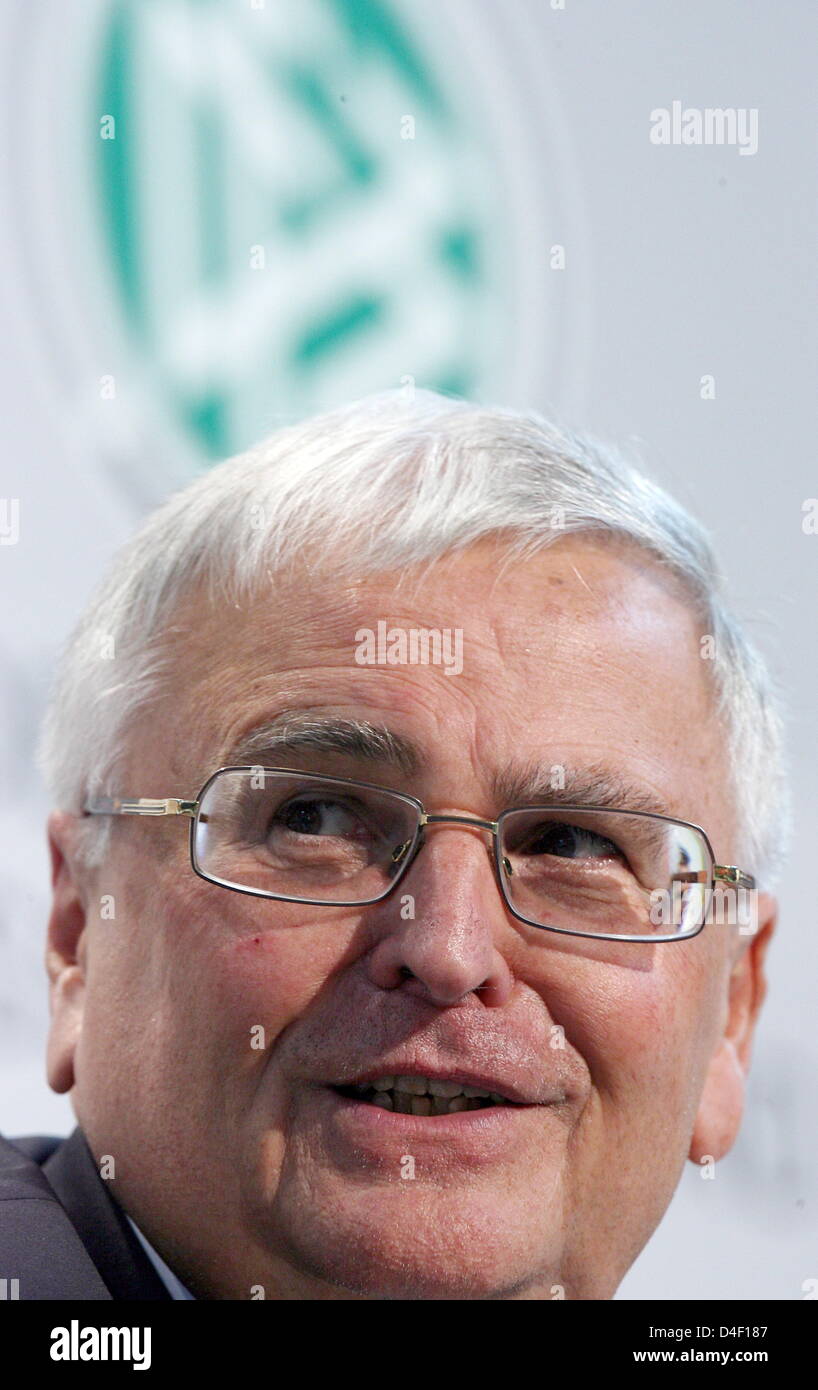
642	1033
267	977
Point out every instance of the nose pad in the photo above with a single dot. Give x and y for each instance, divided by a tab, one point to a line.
507	867
400	852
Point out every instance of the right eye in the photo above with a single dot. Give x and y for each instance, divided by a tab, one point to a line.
315	816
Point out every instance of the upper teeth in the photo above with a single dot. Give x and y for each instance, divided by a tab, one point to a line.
425	1085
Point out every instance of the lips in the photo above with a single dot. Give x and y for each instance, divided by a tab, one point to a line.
420	1095
454	1143
416	1078
475	1136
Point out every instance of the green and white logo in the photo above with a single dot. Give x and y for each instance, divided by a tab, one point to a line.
295	210
235	213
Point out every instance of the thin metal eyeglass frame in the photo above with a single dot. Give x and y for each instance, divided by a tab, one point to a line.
179	806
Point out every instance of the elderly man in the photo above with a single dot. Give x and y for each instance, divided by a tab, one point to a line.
418	805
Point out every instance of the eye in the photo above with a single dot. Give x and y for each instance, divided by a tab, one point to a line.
317	817
567	841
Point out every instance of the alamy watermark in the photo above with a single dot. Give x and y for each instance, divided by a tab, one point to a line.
705	125
411	646
723	905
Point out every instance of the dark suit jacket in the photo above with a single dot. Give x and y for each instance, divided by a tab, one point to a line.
62	1233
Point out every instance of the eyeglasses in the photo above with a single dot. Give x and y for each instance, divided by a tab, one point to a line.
331	841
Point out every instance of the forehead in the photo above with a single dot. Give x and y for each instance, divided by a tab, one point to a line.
587	650
579	591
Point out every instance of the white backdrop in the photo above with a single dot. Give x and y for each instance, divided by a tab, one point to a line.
265	235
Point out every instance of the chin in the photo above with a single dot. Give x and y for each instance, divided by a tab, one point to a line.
437	1247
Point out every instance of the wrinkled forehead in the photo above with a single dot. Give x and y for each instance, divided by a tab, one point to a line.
590	631
598	579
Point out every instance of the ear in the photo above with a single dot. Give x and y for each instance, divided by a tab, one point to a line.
65	951
722	1100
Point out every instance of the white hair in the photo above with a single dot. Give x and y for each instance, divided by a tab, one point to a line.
390	481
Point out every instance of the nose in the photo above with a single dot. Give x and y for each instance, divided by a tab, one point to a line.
437	935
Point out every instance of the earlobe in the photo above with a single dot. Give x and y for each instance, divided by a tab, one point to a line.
64	956
721	1104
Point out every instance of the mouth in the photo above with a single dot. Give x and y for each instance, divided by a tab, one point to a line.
424	1096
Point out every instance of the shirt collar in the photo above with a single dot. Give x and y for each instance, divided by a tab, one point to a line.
175	1287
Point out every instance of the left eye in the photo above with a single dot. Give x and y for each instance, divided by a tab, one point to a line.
570	842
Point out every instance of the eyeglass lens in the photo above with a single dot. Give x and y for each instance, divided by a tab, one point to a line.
305	838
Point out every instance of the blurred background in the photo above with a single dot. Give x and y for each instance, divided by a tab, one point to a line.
218	216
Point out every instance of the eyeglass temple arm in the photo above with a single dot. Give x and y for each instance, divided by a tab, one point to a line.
725	873
139	806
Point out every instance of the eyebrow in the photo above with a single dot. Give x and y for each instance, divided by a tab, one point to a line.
295	731
595	785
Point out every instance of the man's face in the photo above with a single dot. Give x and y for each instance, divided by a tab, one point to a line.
233	1153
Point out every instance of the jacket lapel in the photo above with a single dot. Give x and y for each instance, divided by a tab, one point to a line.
101	1223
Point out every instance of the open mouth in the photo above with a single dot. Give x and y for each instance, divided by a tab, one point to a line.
419	1095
